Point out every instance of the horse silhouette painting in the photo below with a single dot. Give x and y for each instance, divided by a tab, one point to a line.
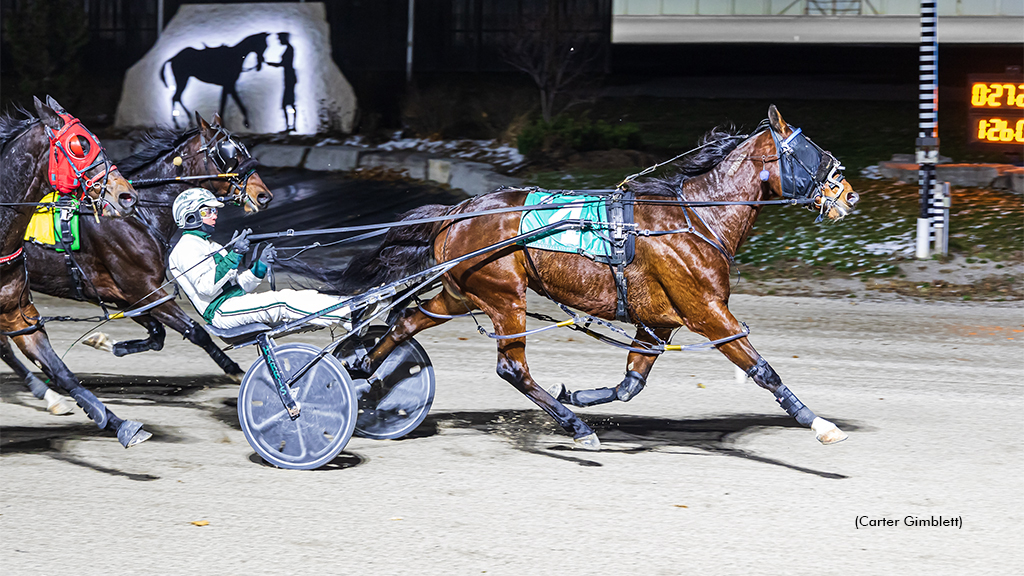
219	65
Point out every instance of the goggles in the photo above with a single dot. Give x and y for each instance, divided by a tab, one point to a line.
207	211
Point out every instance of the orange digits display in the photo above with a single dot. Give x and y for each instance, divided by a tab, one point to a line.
1000	130
997	95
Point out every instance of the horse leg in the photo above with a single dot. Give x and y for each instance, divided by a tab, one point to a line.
720	323
512	368
36	347
238	102
638	366
408	325
55	403
154	342
175	318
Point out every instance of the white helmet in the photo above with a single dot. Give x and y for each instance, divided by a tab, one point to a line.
187	204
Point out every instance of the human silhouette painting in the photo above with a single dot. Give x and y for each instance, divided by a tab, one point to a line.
222	66
287	63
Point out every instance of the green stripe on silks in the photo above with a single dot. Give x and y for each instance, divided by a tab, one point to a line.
587	241
226	264
230	292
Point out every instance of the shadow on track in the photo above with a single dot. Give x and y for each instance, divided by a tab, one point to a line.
526	430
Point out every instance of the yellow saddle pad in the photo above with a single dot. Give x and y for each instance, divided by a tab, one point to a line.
42	228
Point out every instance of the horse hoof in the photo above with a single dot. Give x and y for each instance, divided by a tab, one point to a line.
131	433
827	432
236	378
57	404
588	442
99	341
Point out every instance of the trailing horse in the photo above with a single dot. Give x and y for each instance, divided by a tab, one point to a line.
678	277
121	263
36	156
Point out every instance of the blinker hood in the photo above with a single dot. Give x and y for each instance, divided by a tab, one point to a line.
804	166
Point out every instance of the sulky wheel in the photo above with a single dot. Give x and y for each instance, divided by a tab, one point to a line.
397	403
327	403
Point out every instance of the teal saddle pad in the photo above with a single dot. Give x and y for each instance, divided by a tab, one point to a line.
589	240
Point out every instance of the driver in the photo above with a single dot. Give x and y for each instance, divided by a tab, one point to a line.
222	291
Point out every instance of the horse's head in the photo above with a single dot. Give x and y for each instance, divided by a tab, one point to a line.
225	155
77	162
807	171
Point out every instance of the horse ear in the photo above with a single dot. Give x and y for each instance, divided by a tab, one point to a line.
47	115
53	104
201	123
216	120
775	119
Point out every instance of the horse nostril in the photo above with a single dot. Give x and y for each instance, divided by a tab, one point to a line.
126	199
852	198
263	198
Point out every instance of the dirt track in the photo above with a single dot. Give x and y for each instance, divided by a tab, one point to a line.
699	474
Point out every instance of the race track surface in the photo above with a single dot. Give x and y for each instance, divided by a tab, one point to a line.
699	474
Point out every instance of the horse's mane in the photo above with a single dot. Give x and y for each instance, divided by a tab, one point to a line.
158	142
716	144
11	127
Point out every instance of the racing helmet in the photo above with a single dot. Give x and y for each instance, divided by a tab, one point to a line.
187	205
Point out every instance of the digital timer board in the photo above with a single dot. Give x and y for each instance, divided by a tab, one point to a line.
996	112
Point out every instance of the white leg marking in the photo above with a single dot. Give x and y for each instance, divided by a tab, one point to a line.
57	404
827	432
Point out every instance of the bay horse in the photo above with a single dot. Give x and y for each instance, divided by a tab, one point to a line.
676	279
38	154
122	262
219	65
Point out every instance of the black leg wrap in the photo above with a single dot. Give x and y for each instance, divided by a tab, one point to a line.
765	375
135	346
793	406
593	397
630	386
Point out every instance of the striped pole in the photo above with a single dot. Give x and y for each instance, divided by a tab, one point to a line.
928	121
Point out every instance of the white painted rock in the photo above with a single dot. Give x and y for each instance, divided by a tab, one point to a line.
224	48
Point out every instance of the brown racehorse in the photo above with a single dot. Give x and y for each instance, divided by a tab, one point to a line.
678	279
24	180
122	262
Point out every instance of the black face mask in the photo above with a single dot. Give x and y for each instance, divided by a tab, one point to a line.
805	166
209	229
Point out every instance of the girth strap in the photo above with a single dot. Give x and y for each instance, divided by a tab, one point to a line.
623	248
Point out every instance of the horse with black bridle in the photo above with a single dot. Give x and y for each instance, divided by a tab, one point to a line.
38	155
688	228
122	263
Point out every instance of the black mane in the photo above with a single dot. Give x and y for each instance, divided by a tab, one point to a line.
158	141
716	144
11	127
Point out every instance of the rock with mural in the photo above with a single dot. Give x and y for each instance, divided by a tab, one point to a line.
265	68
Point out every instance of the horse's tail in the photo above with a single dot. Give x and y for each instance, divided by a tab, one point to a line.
406	250
163	72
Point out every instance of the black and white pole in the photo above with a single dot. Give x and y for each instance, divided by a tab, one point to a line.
928	121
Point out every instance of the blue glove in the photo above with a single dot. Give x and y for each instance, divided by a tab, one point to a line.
241	241
269	255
